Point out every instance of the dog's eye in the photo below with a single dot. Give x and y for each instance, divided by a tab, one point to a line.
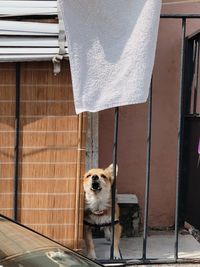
103	176
88	175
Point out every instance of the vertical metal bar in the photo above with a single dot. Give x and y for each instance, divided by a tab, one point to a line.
16	151
180	136
192	68
148	170
115	145
196	83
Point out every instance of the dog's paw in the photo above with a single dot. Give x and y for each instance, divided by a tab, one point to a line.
107	238
92	255
117	255
107	234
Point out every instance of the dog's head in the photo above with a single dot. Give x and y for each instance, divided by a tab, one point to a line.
97	180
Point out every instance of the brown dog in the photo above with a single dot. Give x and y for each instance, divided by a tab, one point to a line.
97	185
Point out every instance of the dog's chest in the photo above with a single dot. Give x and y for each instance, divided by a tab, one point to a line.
97	203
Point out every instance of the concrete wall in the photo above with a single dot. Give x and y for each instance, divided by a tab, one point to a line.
133	126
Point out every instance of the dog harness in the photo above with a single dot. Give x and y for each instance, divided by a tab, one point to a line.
100	225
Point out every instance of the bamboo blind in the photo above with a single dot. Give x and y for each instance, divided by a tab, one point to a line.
52	151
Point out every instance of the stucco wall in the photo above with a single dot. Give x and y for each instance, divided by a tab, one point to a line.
133	126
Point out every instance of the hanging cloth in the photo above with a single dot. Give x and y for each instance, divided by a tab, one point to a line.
111	49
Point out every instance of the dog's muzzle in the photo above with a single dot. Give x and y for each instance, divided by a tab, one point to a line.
95	186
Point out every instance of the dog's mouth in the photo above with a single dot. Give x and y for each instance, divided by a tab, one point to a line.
95	186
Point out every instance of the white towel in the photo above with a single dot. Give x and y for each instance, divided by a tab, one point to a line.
111	48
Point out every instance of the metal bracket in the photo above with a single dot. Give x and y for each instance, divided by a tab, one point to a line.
61	41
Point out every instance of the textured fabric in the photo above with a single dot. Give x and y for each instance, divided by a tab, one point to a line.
112	48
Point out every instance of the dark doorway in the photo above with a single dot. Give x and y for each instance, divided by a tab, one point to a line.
191	164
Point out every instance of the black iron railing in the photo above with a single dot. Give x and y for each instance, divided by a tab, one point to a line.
182	94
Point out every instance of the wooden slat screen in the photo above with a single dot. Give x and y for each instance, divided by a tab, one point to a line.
49	141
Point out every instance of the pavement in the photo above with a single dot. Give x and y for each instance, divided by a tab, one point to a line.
159	245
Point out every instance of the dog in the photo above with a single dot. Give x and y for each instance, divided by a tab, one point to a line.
97	184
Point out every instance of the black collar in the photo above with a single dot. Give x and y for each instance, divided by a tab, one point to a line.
100	225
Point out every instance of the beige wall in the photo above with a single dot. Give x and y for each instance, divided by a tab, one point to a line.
133	125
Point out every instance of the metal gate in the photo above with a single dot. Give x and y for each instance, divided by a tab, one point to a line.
179	215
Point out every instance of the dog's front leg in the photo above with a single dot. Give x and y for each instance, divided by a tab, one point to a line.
89	242
118	230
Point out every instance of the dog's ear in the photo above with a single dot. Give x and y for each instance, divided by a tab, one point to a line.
109	171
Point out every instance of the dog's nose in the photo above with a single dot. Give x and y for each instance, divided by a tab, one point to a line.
95	177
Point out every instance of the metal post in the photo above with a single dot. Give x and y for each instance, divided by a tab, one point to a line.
148	170
16	152
196	83
180	136
116	123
